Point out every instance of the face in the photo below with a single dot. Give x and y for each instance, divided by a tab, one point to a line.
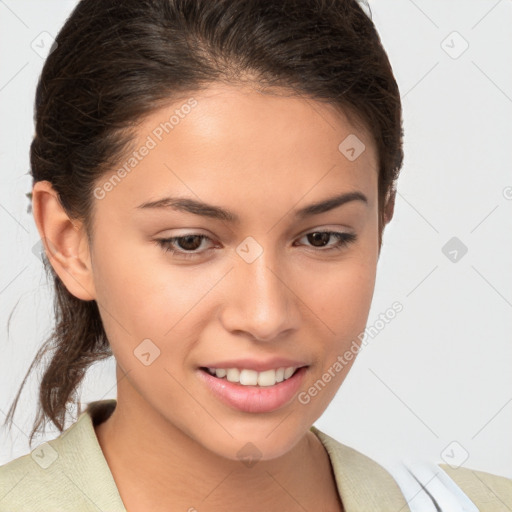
255	280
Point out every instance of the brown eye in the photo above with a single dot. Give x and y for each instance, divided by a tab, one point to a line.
185	245
190	242
319	239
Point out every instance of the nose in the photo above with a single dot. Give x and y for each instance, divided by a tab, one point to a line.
260	302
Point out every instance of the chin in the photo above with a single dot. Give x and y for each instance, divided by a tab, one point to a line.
265	444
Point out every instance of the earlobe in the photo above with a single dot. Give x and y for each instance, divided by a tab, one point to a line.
65	241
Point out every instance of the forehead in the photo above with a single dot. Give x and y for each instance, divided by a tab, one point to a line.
238	144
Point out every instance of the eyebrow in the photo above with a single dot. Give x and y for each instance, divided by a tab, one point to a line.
216	212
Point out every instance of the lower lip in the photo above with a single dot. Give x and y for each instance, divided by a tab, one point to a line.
254	398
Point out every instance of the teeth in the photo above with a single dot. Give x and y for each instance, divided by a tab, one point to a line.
233	375
249	378
288	372
253	378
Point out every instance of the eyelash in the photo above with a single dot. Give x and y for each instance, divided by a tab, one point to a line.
344	239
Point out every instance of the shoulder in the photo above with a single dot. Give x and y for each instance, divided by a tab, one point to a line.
37	476
69	471
365	485
489	492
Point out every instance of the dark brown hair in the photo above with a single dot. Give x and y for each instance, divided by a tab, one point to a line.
116	61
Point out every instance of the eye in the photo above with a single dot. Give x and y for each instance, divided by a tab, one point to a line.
320	239
189	244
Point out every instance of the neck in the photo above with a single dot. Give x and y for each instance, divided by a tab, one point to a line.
157	466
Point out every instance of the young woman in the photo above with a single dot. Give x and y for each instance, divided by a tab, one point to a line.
212	180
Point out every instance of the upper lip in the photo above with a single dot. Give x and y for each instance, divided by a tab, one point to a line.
258	366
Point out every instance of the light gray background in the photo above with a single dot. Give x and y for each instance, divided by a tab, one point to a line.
441	370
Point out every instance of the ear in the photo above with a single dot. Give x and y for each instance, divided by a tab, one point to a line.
65	241
389	208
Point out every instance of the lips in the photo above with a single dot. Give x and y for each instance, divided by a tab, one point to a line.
254	399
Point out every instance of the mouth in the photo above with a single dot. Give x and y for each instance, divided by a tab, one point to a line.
247	377
245	394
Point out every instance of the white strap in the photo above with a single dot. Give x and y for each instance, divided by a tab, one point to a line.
416	497
427	488
468	505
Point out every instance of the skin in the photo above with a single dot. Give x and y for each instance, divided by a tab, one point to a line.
170	442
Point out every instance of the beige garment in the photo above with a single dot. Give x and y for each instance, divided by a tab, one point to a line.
490	493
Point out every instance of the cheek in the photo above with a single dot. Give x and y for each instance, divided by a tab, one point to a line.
142	295
341	303
341	294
